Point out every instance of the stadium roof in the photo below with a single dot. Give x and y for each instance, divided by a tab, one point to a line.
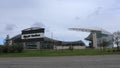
99	29
91	29
32	28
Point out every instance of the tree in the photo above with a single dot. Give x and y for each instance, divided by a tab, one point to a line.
116	38
6	40
103	43
18	47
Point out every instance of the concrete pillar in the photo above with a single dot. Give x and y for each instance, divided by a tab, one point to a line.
54	47
94	40
24	45
38	45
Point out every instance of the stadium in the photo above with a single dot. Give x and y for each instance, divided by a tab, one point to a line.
34	38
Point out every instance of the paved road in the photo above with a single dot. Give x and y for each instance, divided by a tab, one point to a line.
104	61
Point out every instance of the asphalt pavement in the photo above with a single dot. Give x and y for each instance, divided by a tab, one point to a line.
102	61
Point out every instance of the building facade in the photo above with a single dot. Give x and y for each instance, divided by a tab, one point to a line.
101	38
34	38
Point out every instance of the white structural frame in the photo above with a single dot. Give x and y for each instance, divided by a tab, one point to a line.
94	32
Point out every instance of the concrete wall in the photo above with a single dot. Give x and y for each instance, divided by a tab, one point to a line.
67	47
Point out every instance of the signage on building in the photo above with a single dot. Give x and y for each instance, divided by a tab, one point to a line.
32	36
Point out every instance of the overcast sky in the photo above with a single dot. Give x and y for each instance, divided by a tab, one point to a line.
57	16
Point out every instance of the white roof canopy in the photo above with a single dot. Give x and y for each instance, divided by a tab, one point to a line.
91	29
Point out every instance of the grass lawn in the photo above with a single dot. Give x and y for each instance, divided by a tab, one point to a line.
39	53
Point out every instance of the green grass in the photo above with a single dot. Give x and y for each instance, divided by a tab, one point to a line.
40	53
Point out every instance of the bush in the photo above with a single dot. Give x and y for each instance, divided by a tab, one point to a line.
18	48
11	49
5	49
71	48
1	49
8	49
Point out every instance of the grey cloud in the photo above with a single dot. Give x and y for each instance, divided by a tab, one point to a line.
10	27
38	24
58	15
77	18
96	12
17	3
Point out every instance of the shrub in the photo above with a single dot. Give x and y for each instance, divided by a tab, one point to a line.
18	48
11	49
71	48
1	49
5	49
8	49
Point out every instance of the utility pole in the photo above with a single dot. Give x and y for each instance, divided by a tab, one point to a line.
52	40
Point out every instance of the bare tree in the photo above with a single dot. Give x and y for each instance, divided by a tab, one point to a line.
116	38
103	43
6	40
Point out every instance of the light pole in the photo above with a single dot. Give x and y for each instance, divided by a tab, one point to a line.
52	40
